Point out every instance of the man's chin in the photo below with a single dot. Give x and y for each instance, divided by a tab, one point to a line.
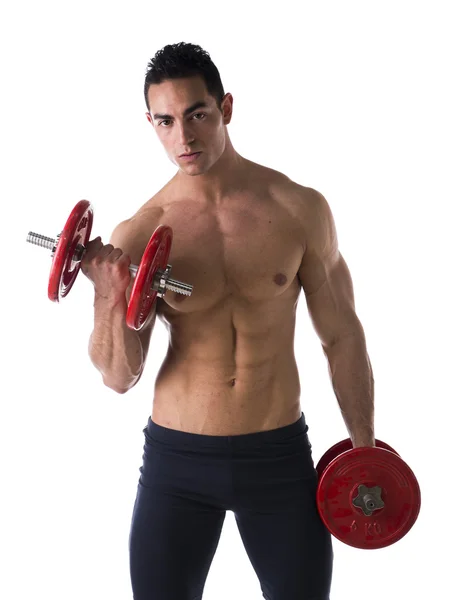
192	170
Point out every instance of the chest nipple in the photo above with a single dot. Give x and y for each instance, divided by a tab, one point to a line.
280	279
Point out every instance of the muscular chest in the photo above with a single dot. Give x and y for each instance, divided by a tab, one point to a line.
249	250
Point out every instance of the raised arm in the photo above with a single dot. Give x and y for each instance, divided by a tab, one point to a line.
118	352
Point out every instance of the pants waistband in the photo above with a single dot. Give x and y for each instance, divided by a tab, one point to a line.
174	436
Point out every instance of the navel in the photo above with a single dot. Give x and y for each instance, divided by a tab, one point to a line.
280	279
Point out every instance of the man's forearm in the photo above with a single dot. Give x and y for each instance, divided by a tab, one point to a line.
353	383
114	349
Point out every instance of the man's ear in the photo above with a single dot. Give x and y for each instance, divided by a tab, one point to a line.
227	108
149	118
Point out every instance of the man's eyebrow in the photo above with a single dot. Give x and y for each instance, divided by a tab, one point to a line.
186	112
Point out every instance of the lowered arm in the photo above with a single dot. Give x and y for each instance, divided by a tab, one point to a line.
330	302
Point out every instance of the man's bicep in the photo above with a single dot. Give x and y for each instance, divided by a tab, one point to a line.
128	236
331	305
325	276
145	334
321	243
132	235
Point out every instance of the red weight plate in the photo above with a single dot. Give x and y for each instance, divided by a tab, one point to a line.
371	467
338	449
143	298
76	231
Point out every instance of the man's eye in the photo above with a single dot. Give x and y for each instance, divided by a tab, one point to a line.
201	115
165	121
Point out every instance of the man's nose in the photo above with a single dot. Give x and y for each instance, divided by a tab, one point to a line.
186	135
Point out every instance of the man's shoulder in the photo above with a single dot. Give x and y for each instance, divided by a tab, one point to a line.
133	233
276	180
307	206
301	198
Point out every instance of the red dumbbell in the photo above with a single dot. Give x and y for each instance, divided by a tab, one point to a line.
367	497
151	276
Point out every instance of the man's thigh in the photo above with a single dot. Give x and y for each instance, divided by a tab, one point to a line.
172	543
291	553
278	520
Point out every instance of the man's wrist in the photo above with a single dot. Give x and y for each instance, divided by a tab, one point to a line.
359	442
102	302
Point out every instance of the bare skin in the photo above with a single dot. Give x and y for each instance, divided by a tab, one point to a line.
248	239
230	366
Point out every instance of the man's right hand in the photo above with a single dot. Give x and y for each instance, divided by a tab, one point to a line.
108	269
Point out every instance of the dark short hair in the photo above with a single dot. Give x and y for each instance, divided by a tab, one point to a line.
177	61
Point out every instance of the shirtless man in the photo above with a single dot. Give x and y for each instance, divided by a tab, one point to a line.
227	431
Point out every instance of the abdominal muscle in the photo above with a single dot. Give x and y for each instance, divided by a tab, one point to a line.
227	384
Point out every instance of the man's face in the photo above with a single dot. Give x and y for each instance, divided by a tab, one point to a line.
188	120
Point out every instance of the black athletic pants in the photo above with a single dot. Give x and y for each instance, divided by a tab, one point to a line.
188	482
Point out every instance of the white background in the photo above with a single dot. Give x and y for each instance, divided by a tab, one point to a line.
350	98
